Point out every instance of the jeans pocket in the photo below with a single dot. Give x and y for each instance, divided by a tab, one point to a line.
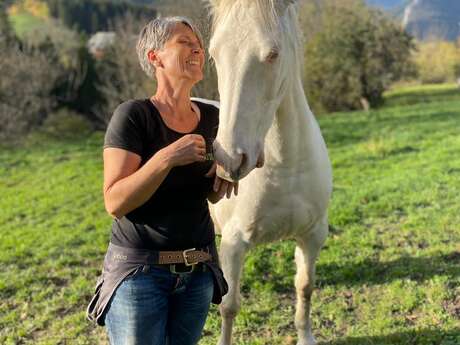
134	275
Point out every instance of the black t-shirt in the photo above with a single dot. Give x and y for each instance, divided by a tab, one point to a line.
176	216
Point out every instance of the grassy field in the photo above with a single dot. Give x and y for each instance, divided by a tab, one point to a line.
24	22
389	273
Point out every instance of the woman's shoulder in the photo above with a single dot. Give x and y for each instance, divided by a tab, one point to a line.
133	107
127	128
136	111
207	102
207	106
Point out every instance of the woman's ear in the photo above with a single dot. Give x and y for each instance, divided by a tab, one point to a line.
153	58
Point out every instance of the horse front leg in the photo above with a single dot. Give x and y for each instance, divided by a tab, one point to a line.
232	252
306	253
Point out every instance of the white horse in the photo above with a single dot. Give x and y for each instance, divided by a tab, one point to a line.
264	117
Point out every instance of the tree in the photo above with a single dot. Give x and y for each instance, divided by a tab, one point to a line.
437	61
119	74
354	56
30	73
90	16
25	90
7	36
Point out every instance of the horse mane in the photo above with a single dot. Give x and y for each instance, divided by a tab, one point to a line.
267	8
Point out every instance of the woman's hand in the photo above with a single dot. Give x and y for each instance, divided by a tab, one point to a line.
221	187
188	149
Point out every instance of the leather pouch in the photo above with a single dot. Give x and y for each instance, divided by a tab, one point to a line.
220	284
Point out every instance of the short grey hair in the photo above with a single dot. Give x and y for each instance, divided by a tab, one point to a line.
155	34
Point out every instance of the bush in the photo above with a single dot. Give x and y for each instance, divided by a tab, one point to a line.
354	56
71	57
65	124
25	90
7	36
457	73
42	71
119	74
437	61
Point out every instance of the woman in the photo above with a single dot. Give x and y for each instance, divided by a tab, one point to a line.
158	278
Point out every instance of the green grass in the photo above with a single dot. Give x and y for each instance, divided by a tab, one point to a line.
25	22
422	94
389	273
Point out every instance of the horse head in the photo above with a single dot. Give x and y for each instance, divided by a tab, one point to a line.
254	51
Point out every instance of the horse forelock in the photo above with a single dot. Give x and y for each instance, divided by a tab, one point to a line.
220	9
270	17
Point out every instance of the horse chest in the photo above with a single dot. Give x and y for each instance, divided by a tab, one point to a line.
276	208
283	215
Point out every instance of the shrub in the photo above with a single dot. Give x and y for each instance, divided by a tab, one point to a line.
119	75
437	61
354	56
25	89
65	124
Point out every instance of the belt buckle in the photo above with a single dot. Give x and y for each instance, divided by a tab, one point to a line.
184	254
172	267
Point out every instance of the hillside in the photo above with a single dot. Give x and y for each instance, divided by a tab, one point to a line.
388	4
433	18
425	19
87	16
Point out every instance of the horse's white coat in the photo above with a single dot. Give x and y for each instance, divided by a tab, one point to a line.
263	109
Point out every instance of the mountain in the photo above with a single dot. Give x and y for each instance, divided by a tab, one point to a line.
425	19
388	4
433	18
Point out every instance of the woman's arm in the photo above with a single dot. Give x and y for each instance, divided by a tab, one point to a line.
126	187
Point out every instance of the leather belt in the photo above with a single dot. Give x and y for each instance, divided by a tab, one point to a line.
177	268
188	257
182	261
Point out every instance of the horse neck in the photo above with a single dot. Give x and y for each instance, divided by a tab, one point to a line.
294	129
292	132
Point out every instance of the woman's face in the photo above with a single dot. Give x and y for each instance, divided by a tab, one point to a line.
182	56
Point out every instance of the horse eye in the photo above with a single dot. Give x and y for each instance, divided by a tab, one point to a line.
274	54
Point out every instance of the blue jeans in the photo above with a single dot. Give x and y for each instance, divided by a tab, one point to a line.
158	307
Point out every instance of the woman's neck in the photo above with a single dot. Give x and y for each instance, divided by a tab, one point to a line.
173	99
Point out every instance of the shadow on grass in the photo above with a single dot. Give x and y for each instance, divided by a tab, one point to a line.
362	130
423	96
375	272
416	337
269	269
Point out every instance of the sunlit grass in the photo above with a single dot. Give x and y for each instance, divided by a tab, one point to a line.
414	94
389	273
25	22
